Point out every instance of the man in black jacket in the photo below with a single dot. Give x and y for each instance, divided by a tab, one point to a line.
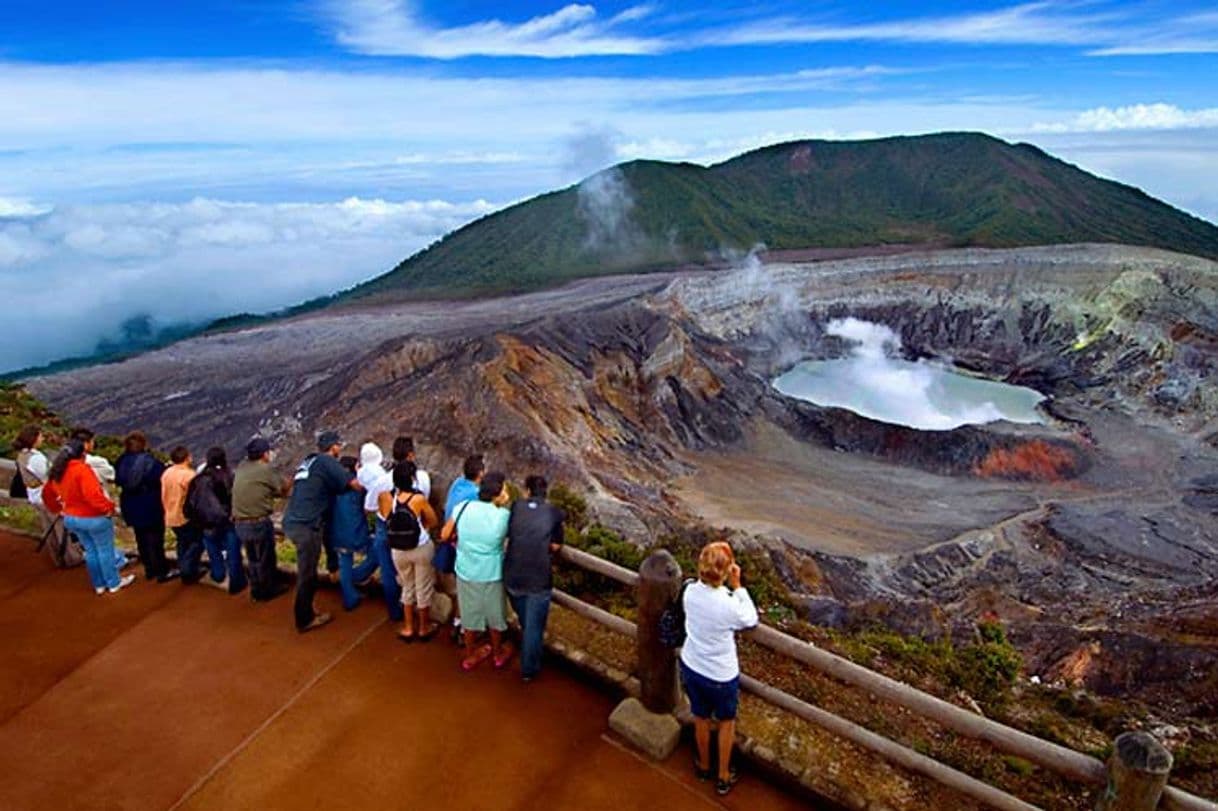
317	481
534	535
138	473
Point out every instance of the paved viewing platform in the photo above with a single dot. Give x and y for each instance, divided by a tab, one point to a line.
167	697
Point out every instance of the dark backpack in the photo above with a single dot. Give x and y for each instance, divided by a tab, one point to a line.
672	621
16	488
403	530
203	505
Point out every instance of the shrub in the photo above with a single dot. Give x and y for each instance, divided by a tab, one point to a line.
572	504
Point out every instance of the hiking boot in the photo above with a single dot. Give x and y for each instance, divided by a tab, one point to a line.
318	621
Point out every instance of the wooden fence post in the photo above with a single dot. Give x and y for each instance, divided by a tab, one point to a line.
659	582
1137	773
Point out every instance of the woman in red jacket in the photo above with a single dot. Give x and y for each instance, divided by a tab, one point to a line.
74	489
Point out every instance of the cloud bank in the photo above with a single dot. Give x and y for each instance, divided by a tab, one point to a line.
72	275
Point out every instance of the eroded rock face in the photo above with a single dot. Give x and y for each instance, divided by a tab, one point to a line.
653	394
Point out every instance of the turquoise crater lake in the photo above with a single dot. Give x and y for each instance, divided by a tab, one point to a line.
918	395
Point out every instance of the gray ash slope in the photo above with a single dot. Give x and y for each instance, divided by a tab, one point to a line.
653	394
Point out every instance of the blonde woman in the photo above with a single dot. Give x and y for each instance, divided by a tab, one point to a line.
716	607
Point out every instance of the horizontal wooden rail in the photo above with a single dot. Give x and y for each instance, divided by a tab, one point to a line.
613	621
599	565
890	750
1175	799
1058	759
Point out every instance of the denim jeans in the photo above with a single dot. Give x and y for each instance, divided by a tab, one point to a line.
350	573
97	537
224	557
533	609
259	540
190	551
389	572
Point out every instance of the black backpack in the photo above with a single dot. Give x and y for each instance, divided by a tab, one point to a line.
203	505
16	488
402	529
672	621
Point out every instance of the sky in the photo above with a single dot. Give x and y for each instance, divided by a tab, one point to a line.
189	160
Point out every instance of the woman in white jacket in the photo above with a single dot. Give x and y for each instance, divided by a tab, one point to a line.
716	607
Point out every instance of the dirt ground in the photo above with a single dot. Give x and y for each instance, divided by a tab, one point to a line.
168	697
818	499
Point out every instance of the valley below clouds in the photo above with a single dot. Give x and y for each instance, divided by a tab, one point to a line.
71	275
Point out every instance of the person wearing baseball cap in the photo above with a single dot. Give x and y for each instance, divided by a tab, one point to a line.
255	488
318	480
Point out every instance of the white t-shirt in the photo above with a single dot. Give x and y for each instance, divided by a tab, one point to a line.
712	617
422	482
37	463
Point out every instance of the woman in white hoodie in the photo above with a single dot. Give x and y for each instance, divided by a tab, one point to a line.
376	480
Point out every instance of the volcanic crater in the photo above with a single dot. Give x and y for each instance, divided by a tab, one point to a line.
1094	532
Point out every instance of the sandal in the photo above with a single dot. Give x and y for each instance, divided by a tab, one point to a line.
470	662
429	633
505	656
407	638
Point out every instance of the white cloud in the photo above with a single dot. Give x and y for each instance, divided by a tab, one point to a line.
1028	23
191	262
56	105
396	28
20	207
1134	117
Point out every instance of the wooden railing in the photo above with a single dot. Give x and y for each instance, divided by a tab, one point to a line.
1121	782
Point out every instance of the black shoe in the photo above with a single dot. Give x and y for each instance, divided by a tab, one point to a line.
172	574
700	773
278	590
722	787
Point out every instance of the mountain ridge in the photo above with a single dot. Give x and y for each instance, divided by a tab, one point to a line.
942	190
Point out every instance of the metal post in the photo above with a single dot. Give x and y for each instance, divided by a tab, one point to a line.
659	582
1137	774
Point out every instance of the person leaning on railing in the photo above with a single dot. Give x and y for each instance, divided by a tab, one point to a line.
710	670
74	489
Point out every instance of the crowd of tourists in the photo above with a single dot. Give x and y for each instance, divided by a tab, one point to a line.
373	520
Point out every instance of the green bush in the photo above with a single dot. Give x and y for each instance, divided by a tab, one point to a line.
572	504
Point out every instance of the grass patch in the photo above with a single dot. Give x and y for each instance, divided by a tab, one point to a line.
20	517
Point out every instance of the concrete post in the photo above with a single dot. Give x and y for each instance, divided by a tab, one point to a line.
659	582
1137	774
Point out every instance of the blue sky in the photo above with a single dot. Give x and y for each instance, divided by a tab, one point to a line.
300	146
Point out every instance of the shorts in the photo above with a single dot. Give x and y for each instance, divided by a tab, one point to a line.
709	698
481	605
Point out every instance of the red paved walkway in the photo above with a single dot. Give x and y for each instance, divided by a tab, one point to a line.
165	697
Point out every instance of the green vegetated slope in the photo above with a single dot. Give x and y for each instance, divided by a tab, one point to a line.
948	189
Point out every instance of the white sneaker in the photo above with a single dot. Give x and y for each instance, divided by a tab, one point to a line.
99	590
127	580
